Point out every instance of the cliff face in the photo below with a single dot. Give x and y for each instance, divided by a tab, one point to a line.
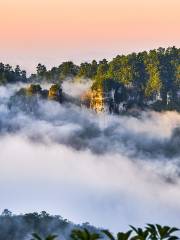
33	89
113	98
106	97
97	100
55	93
94	99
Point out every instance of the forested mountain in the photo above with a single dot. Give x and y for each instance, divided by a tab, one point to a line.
137	79
43	226
20	227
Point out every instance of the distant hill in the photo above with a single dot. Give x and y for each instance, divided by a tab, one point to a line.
20	227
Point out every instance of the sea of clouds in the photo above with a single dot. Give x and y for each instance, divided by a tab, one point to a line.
109	170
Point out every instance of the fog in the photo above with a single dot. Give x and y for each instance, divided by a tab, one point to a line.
109	170
76	87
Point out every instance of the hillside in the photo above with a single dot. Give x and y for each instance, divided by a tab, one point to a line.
138	80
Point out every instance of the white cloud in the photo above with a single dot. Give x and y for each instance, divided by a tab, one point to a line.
111	171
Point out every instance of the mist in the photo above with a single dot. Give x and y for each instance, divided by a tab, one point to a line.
76	87
109	170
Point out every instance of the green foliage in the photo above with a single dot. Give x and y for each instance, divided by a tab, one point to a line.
109	234
140	234
41	72
150	232
121	70
152	66
10	75
49	237
41	225
158	232
84	234
154	82
120	235
87	70
177	75
146	74
67	69
156	71
124	236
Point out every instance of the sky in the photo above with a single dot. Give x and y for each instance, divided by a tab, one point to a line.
52	31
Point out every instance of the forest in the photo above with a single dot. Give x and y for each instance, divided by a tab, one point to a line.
43	226
138	79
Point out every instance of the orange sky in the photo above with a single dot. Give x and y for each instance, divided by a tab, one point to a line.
51	31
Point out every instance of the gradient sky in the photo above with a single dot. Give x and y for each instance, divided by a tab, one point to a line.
52	31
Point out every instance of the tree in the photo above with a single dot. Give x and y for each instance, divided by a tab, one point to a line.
49	237
17	70
120	70
177	75
88	70
101	75
2	75
150	232
84	234
41	71
158	232
140	234
6	212
152	66
154	82
23	76
94	67
67	69
120	235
